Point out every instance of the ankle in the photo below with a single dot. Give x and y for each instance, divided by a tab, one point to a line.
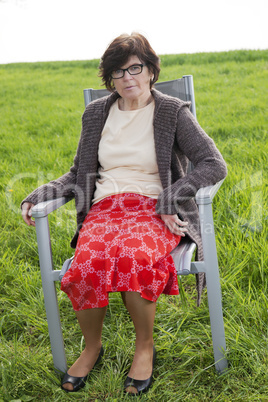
93	347
144	345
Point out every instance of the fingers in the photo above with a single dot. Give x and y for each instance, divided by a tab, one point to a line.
27	213
178	229
175	225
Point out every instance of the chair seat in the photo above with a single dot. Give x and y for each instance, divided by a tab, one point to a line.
182	256
66	265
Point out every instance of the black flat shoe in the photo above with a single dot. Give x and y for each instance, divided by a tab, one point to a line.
141	386
78	382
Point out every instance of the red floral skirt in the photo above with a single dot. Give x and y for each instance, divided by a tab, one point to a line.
123	246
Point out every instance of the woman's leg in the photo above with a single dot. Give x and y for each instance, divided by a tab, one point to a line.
142	312
91	323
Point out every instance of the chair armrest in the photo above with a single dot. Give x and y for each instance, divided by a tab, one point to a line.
44	208
205	195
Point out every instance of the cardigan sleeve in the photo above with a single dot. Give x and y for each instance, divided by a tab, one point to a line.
200	149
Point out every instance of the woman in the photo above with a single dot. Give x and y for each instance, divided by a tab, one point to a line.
134	202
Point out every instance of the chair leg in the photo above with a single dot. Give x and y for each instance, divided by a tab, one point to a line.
216	321
50	295
213	287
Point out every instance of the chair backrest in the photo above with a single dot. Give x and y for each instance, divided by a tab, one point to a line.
182	88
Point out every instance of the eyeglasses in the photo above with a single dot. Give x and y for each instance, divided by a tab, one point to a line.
132	70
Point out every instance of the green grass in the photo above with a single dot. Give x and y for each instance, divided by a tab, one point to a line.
41	108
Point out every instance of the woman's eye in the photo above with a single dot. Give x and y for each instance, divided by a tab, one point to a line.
134	68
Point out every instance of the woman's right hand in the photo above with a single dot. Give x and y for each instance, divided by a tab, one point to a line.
26	210
175	225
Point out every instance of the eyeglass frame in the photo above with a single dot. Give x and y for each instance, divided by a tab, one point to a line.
126	69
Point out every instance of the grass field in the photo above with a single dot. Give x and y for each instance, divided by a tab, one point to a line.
41	107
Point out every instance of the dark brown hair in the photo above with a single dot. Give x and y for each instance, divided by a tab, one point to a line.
118	53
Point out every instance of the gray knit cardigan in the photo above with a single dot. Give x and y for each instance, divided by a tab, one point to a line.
178	140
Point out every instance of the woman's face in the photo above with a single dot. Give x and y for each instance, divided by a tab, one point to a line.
134	87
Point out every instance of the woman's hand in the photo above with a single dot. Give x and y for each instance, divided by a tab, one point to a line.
175	225
27	213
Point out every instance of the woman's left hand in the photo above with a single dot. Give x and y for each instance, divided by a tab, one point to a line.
175	225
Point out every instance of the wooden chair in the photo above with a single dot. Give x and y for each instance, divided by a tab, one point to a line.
182	255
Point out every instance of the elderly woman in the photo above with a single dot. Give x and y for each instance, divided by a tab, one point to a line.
134	202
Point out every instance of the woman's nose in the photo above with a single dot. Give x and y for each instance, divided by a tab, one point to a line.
127	76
